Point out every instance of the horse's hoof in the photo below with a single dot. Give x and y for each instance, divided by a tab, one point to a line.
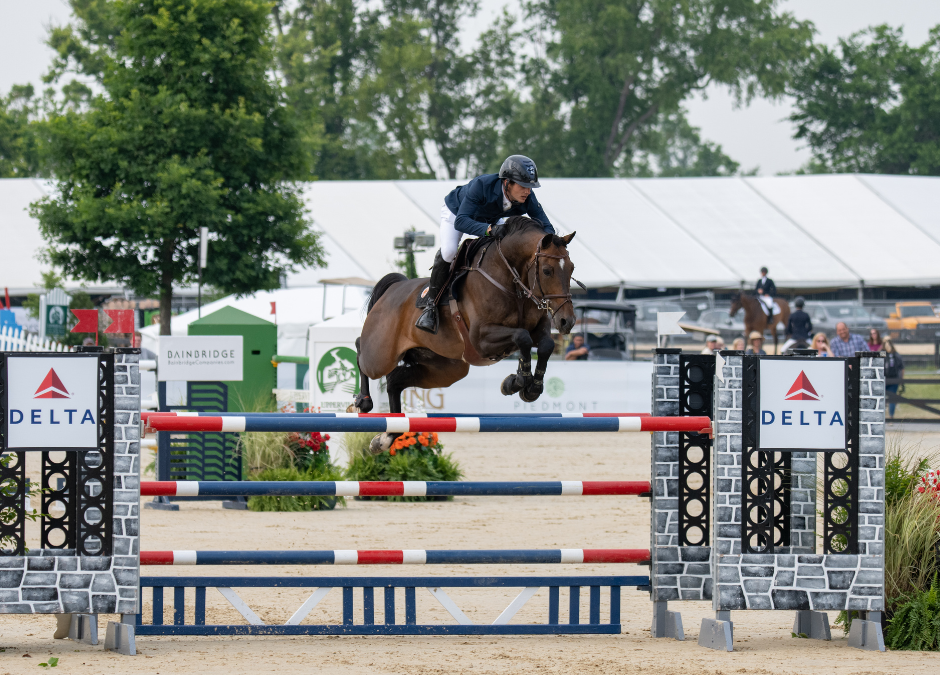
530	394
510	385
381	443
360	404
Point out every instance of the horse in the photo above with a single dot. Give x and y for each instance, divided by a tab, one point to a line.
517	286
755	318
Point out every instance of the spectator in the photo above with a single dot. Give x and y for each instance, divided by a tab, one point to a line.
721	345
894	370
874	340
799	328
738	344
757	342
88	342
144	352
845	343
821	345
711	344
577	350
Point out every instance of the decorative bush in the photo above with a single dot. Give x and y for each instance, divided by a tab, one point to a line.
413	456
916	622
293	457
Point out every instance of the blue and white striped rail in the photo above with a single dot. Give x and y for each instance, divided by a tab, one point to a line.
147	414
402	557
253	488
305	423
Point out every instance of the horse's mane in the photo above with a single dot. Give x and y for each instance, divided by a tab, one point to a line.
521	224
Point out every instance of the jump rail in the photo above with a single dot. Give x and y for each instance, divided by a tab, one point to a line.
572	556
145	415
281	422
252	488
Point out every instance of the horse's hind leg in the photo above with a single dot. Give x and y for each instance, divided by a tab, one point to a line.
363	401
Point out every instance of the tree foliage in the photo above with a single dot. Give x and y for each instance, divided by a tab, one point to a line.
614	71
191	130
19	144
871	105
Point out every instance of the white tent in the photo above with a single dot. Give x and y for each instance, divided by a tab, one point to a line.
811	231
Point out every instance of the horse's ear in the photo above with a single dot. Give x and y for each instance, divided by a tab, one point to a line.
569	237
547	240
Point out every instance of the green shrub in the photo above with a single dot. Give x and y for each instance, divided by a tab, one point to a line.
412	457
309	503
916	621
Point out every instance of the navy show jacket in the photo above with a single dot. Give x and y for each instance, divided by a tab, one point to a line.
479	204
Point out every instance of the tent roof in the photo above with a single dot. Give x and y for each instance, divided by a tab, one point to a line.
821	231
228	316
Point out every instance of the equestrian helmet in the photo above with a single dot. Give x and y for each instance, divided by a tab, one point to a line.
520	170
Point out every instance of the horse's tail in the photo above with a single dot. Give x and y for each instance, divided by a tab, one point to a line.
383	285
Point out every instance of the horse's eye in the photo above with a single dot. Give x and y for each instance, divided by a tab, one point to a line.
547	271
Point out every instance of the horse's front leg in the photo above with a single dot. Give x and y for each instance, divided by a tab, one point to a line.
498	340
535	385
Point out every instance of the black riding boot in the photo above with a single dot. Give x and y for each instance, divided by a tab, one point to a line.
428	320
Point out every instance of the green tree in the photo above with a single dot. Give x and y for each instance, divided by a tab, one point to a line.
871	105
674	149
612	72
191	130
19	146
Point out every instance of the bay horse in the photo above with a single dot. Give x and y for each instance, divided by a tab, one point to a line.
755	318
517	286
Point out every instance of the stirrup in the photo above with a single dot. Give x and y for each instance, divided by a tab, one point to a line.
428	321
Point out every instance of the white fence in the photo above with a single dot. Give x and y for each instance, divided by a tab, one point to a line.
16	340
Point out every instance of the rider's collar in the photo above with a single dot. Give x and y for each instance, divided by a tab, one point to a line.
507	204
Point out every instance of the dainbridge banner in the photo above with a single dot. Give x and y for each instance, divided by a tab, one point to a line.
201	358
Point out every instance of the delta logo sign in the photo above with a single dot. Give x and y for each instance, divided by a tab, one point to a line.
52	402
802	405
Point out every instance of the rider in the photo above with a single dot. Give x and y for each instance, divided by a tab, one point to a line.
766	291
473	209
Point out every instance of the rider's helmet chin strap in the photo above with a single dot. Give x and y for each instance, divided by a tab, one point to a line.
508	193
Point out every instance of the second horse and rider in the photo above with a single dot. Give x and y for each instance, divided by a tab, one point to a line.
488	298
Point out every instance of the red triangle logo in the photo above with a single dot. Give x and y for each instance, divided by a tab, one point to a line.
802	390
52	387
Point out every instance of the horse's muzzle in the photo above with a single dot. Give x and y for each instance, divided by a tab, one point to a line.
564	324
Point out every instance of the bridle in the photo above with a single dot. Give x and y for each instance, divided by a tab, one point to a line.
523	291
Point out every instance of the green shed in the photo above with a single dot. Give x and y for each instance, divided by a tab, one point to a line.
253	393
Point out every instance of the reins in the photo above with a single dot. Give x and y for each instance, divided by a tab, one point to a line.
541	300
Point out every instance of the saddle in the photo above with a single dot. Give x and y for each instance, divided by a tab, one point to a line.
451	290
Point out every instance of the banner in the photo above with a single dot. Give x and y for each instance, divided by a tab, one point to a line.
200	358
802	404
52	402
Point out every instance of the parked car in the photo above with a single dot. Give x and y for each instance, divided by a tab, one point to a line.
825	316
729	327
608	328
914	320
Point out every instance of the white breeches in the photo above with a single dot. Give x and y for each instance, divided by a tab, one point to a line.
766	301
450	236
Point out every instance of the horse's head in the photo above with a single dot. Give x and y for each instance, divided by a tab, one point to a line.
544	268
550	279
737	302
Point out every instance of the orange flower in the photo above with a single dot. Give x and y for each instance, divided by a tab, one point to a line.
392	452
433	438
423	440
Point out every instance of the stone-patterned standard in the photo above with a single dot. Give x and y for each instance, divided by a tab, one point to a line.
58	581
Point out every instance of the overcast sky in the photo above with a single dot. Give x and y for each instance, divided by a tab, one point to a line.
756	136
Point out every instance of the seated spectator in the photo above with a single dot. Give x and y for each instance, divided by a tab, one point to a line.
875	341
711	344
821	345
738	344
845	343
577	350
757	343
894	370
